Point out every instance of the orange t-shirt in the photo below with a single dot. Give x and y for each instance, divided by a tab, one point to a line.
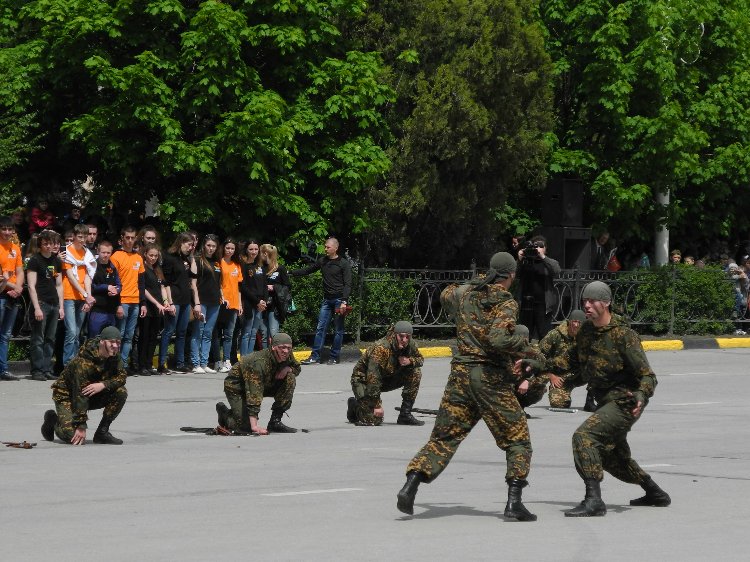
10	259
129	265
231	275
69	293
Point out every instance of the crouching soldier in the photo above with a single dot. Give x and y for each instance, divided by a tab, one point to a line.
390	363
93	379
269	372
557	344
533	386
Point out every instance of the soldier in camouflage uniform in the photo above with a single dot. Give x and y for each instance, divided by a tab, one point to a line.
91	380
390	363
269	372
480	386
609	357
557	343
530	390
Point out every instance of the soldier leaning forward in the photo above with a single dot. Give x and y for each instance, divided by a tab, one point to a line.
269	372
608	355
390	363
530	390
93	379
480	386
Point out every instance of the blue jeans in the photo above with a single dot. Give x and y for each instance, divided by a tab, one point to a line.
226	339
73	323
270	328
42	340
127	325
8	312
327	310
253	320
177	323
203	330
98	321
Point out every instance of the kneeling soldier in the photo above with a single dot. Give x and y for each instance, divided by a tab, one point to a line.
390	363
269	372
93	379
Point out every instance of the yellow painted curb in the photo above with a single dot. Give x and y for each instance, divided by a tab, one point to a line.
725	343
663	345
436	351
302	355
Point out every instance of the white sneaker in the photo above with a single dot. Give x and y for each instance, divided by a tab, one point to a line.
228	365
223	368
199	370
209	369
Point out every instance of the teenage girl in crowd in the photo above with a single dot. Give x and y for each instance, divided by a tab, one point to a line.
157	302
179	276
278	285
254	295
208	303
231	277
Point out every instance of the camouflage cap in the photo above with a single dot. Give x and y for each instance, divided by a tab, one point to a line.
521	330
282	339
577	316
597	291
110	333
403	327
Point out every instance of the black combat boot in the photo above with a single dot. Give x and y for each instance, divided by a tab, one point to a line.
592	504
406	495
223	413
590	405
102	436
351	410
275	425
514	509
655	496
48	427
405	417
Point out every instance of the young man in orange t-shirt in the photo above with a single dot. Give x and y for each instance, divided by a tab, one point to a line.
76	290
129	264
11	266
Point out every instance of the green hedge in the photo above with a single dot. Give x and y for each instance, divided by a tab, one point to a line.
703	299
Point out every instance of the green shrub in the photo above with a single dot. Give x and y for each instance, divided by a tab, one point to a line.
703	299
18	350
387	299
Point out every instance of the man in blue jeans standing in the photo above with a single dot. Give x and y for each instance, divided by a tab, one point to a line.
337	285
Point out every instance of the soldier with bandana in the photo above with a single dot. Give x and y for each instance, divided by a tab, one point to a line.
480	386
557	343
390	363
270	372
93	379
609	357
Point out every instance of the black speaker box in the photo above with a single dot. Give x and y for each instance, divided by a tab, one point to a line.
563	203
570	246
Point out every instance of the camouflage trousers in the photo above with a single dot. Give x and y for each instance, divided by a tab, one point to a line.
112	402
281	391
600	443
408	379
470	395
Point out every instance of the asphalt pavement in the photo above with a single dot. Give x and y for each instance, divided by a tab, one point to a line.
330	494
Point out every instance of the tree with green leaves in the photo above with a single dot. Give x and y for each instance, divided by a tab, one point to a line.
473	82
654	97
250	115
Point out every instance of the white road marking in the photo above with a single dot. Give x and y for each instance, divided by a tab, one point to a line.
321	392
691	404
308	492
655	465
690	374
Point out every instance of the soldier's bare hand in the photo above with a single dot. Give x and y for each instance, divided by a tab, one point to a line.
555	381
79	437
93	388
282	373
404	361
378	412
517	366
523	388
260	431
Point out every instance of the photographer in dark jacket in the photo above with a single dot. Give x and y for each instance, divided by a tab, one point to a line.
337	285
537	297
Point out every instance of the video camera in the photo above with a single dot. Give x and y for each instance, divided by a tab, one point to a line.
530	250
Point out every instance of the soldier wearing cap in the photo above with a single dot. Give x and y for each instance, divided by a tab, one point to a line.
609	357
93	379
557	343
480	386
390	363
270	372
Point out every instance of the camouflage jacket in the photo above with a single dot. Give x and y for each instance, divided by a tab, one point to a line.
485	324
609	359
381	360
256	372
86	368
557	345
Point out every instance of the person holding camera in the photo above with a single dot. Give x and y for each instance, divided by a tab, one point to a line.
537	297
